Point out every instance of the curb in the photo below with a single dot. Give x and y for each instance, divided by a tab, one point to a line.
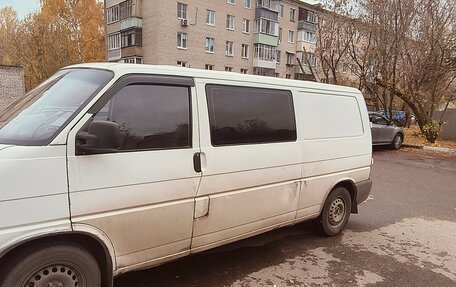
433	149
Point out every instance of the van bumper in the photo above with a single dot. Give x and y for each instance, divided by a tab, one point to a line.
363	189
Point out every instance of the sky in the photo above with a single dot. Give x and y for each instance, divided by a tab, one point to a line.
22	7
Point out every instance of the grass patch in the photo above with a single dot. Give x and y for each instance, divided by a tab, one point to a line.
413	137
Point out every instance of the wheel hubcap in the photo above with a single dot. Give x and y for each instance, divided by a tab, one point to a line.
337	212
54	276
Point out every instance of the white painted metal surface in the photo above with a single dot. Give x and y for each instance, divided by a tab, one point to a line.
152	207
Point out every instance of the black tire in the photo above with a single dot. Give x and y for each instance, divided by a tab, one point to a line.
60	265
336	212
397	142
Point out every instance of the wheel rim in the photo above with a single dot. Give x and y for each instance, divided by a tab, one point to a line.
54	276
398	142
337	212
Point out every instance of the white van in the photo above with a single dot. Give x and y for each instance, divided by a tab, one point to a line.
108	168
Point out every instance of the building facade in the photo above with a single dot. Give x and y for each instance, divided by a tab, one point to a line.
263	37
12	85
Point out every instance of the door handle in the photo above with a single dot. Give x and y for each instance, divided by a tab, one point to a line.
197	162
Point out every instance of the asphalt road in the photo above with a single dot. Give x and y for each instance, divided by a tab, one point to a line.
404	235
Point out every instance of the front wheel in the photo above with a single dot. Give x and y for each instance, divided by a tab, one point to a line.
59	265
336	212
397	142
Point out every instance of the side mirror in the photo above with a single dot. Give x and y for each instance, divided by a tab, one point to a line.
101	137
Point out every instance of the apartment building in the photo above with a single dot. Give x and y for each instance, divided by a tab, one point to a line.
263	37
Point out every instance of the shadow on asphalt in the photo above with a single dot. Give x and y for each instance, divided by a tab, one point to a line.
224	265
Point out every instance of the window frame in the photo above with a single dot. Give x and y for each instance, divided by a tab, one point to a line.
150	80
230	22
210	40
210	12
183	12
245	48
245	24
249	6
292	14
182	44
229	49
293	36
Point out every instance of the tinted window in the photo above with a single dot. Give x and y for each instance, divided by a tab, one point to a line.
377	119
150	116
242	115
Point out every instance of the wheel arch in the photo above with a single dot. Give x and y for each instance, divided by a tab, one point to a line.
349	185
91	242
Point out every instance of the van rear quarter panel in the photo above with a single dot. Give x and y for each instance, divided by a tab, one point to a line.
335	138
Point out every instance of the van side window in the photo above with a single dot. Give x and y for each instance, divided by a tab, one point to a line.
150	116
244	115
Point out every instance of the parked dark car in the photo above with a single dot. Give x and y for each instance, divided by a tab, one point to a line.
385	132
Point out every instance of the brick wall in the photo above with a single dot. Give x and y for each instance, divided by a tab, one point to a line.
11	85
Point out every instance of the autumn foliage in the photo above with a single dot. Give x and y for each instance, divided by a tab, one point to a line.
64	32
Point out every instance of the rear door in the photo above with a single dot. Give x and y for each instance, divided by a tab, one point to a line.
250	162
142	196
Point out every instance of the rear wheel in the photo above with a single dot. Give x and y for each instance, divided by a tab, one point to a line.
59	265
397	142
336	212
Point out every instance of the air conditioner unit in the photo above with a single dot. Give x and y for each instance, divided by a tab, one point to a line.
184	22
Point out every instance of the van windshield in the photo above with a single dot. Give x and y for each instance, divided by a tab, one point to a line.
39	116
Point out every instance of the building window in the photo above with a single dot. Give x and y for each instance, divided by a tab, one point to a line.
292	14
278	54
113	14
290	59
229	48
133	60
230	22
138	108
182	40
181	11
280	35
114	41
247	4
246	26
307	36
245	51
246	115
209	67
210	43
265	52
312	17
310	59
266	26
132	37
210	17
244	71
228	69
280	11
126	9
182	64
231	2
269	4
291	36
288	76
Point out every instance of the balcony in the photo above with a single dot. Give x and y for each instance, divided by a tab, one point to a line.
114	55
270	40
133	22
260	63
272	5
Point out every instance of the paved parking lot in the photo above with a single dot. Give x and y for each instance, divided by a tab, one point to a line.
404	235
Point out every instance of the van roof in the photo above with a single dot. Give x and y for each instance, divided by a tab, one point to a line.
122	69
